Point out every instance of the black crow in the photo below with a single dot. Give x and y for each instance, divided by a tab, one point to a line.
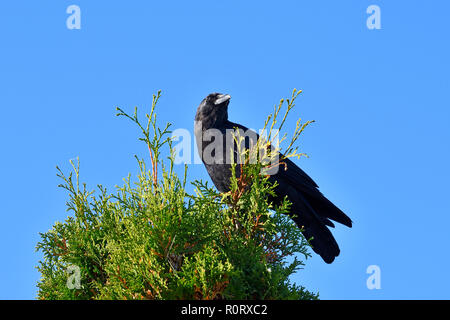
310	210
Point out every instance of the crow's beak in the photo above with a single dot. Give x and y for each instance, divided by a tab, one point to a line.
222	98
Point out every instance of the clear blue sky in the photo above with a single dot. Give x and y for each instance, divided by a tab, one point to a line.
379	148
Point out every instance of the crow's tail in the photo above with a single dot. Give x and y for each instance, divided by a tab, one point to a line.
322	242
315	229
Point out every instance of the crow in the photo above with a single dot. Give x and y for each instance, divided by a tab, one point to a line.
310	210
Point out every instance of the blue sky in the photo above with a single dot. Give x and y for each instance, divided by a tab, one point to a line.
379	148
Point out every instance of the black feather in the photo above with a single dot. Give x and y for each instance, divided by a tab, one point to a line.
311	211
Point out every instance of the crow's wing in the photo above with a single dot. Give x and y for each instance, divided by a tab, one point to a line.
310	209
291	174
294	176
295	170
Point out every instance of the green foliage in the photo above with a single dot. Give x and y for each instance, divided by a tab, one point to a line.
150	239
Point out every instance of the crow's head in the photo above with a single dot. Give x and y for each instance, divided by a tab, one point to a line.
213	110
